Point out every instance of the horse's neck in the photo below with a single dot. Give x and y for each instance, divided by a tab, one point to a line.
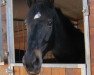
42	2
63	30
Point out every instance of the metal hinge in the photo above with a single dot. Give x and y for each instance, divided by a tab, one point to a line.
9	70
3	2
86	11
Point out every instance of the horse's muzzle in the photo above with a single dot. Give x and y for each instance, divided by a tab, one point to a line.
34	73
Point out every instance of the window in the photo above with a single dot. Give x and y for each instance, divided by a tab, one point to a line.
11	33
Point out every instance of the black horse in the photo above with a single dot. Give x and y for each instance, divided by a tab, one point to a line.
48	29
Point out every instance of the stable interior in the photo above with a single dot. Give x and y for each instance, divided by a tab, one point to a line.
72	9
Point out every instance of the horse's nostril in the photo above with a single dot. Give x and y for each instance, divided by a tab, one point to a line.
33	73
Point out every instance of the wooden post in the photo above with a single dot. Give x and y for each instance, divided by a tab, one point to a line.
1	49
91	20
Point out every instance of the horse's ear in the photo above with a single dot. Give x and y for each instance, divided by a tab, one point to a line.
29	2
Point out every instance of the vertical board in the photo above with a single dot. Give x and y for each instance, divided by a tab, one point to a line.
92	69
19	71
91	21
58	71
55	71
73	71
4	34
23	71
3	70
91	17
92	43
16	71
46	71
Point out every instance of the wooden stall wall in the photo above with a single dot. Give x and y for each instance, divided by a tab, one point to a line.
20	35
4	30
91	21
50	71
45	71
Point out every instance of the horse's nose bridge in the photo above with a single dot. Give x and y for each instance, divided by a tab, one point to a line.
38	53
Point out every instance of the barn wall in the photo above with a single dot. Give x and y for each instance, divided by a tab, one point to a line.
4	30
45	71
50	71
3	70
20	35
91	20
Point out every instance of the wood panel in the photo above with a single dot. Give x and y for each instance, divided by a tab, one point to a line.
91	22
16	71
19	71
58	71
49	71
73	71
4	33
92	43
92	69
91	17
46	71
3	70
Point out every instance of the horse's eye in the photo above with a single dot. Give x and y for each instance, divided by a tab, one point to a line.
49	22
50	25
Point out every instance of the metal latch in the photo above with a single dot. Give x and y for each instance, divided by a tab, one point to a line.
3	2
9	70
86	11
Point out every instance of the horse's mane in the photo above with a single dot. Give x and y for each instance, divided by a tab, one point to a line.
65	21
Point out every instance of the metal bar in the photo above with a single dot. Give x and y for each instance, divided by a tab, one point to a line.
56	65
10	31
1	49
86	34
9	70
81	66
83	70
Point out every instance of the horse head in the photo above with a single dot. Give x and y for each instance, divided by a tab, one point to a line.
40	24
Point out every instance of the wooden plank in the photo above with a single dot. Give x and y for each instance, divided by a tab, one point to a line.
45	71
91	20
91	17
73	71
77	71
23	71
4	30
16	71
92	69
55	71
92	43
69	72
58	71
3	70
62	71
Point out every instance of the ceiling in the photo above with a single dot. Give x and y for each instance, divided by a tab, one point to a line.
71	8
